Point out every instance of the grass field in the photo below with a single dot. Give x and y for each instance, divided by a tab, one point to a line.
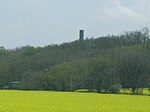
35	101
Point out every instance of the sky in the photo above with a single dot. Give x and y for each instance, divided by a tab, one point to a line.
44	22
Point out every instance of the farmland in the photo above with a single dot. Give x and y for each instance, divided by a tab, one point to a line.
45	101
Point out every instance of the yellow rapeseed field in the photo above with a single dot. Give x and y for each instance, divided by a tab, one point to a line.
45	101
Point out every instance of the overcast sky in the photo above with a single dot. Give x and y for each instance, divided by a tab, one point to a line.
43	22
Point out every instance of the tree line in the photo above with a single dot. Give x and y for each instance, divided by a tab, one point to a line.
104	64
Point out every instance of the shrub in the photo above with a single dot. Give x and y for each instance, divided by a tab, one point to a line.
115	88
149	87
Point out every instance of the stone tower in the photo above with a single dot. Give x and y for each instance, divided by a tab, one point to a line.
81	35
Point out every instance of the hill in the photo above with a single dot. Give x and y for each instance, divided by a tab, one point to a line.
100	64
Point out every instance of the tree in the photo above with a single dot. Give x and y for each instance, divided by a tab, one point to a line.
100	74
133	69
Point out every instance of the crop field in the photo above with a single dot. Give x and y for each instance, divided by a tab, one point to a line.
39	101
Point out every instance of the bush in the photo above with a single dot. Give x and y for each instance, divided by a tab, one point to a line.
115	88
149	87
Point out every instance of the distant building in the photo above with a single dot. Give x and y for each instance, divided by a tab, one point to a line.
11	85
81	35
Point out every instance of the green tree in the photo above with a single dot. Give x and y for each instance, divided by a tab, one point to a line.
133	69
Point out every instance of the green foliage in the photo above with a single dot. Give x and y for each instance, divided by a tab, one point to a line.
133	67
149	87
92	64
115	88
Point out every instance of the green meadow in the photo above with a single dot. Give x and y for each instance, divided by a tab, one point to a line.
45	101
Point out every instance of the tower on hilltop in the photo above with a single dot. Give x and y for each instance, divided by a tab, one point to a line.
81	35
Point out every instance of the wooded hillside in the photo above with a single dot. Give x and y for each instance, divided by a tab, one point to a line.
96	64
